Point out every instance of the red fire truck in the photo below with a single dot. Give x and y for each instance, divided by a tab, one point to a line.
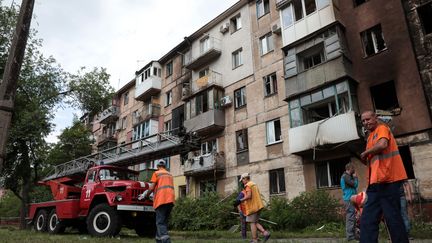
99	194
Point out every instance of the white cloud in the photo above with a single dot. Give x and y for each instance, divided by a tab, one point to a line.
116	33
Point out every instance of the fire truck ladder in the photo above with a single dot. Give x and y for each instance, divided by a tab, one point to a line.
157	146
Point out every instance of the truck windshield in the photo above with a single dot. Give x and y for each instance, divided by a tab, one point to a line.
115	175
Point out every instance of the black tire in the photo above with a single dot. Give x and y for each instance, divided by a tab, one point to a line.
146	226
55	226
103	220
40	222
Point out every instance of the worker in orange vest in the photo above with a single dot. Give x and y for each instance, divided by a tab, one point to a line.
253	205
386	173
162	186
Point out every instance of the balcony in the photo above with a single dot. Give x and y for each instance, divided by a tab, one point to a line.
146	112
105	138
213	78
209	50
211	121
334	130
317	76
147	88
109	115
205	164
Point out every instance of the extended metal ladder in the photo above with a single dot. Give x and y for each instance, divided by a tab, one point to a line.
157	146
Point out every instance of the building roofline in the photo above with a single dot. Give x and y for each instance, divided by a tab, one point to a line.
145	67
212	23
125	88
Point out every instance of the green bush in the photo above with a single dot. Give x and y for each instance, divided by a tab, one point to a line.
208	212
312	208
9	205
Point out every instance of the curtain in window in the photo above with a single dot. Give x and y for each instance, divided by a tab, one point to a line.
271	132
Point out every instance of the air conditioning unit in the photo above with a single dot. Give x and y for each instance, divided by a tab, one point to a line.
224	28
276	29
226	101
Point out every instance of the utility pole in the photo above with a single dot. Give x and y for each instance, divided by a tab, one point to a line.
10	76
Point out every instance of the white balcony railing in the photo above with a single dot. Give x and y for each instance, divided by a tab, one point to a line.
338	129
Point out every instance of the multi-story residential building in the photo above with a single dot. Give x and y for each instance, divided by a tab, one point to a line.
274	88
419	19
342	57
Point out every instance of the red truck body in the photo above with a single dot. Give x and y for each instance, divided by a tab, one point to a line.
107	200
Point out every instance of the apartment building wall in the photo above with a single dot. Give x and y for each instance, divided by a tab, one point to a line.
397	63
262	156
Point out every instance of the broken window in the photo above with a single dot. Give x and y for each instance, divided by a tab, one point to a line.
182	191
311	57
236	23
329	173
273	131
208	147
425	15
277	181
240	97
322	104
384	96
270	84
168	98
242	140
201	103
373	40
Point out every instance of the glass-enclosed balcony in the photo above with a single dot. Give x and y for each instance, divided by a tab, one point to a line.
148	81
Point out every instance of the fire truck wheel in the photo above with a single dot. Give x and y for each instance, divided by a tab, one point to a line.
103	220
55	226
41	221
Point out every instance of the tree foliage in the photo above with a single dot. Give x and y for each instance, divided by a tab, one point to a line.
42	86
74	142
91	91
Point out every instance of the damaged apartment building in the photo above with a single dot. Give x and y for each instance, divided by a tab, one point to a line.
275	88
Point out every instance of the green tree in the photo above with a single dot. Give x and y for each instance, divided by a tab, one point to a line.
42	86
74	142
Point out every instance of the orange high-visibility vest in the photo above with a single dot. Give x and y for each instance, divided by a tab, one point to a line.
164	188
255	203
386	166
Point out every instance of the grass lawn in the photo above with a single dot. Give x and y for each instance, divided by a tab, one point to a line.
329	233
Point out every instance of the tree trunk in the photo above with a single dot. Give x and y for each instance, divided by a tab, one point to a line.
26	179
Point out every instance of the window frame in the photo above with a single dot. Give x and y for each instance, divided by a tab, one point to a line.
126	98
237	62
365	40
279	176
334	169
266	43
168	98
243	133
236	23
169	69
241	93
264	6
270	81
275	132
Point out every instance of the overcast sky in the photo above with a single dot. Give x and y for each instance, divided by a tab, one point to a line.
121	35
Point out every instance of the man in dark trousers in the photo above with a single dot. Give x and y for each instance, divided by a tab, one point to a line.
163	188
349	184
385	175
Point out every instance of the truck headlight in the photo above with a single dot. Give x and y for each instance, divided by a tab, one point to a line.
119	197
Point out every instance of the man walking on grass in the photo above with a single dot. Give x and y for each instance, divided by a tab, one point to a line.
253	205
349	184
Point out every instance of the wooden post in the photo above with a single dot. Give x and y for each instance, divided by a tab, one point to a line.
8	85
